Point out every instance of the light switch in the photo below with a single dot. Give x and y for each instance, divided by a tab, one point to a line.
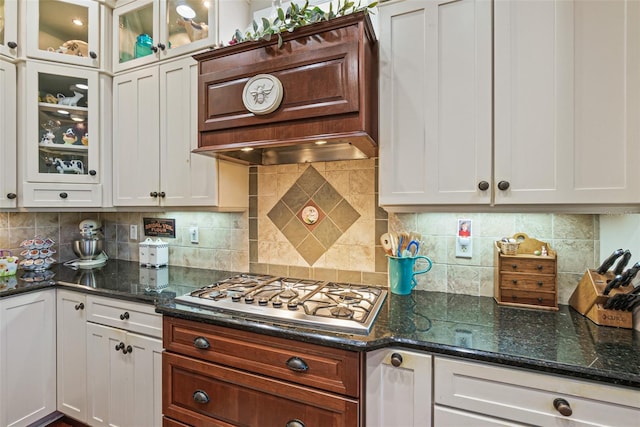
464	241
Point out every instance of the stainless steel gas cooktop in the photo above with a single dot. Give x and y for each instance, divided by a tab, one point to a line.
331	306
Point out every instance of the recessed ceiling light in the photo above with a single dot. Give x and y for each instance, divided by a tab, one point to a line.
77	119
185	11
77	22
65	112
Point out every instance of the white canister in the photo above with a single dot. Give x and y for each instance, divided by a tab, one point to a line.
143	251
158	253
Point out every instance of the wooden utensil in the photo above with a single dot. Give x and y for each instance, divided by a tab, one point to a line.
386	242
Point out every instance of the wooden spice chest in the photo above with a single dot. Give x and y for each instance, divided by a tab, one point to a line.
525	279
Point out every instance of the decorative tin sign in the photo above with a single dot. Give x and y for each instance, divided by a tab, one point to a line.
164	227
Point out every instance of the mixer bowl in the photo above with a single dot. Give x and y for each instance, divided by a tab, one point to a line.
87	249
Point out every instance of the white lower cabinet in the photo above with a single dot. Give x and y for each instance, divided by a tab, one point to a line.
398	388
72	354
27	358
475	394
124	381
125	385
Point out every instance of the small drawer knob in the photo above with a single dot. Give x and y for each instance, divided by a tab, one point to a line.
294	423
79	306
297	364
396	359
201	343
124	315
563	407
200	396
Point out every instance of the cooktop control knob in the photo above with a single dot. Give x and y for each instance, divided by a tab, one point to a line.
248	299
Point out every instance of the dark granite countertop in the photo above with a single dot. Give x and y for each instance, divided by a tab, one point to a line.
563	343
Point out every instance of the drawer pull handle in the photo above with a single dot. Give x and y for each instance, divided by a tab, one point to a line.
124	315
200	396
120	346
79	306
295	423
298	365
540	299
515	282
540	283
63	195
201	342
563	407
514	266
539	267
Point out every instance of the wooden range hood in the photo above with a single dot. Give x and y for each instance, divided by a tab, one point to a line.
328	74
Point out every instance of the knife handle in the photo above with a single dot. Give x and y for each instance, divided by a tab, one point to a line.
626	256
614	283
607	263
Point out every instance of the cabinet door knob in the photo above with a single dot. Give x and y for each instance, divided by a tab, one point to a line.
396	359
12	45
562	406
124	315
200	396
154	48
79	306
129	349
63	195
503	185
162	46
93	55
154	194
483	185
540	283
162	194
92	172
201	343
515	282
297	364
11	196
514	266
294	423
120	346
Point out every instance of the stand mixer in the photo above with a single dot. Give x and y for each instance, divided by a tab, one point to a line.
89	247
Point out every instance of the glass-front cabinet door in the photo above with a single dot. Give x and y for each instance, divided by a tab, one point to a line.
146	31
9	28
64	31
61	137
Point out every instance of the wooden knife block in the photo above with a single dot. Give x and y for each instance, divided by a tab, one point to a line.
588	300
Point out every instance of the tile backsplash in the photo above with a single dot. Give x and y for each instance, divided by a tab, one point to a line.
223	237
272	236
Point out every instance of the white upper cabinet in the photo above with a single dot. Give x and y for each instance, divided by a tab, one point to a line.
567	100
8	144
435	102
63	31
60	144
9	28
564	94
146	31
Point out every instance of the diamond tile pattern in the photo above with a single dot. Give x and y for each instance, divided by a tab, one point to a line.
336	215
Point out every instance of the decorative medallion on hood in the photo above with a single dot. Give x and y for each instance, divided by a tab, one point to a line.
312	215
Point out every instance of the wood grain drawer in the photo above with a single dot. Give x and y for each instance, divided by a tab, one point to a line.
132	316
517	296
527	397
328	369
531	282
196	392
535	265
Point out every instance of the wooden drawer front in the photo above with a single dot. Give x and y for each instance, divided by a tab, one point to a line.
168	422
527	397
242	398
132	316
532	282
518	296
528	265
329	369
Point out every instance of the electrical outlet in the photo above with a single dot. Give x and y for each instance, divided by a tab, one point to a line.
193	234
464	241
133	232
